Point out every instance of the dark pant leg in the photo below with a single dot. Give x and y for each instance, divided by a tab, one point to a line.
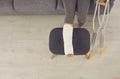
69	10
83	7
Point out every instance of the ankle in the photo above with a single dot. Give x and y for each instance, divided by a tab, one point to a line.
68	24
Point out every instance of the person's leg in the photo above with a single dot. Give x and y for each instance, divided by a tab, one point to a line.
83	7
68	26
69	11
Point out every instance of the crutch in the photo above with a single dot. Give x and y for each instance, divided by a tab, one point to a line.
101	30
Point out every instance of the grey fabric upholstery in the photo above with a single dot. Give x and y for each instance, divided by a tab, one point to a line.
25	7
6	7
35	6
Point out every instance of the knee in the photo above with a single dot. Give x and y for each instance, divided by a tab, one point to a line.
81	21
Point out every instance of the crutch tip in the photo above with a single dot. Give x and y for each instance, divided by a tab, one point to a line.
100	51
101	46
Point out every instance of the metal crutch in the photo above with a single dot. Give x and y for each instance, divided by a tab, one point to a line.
101	30
103	24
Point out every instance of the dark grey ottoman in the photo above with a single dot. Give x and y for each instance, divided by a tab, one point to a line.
81	41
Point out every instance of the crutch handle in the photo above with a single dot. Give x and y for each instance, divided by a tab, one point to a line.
102	3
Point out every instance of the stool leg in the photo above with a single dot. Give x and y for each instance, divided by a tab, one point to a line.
89	54
53	56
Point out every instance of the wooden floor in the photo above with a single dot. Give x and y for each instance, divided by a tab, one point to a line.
24	51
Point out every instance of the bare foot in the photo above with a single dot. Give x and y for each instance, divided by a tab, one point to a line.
70	55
